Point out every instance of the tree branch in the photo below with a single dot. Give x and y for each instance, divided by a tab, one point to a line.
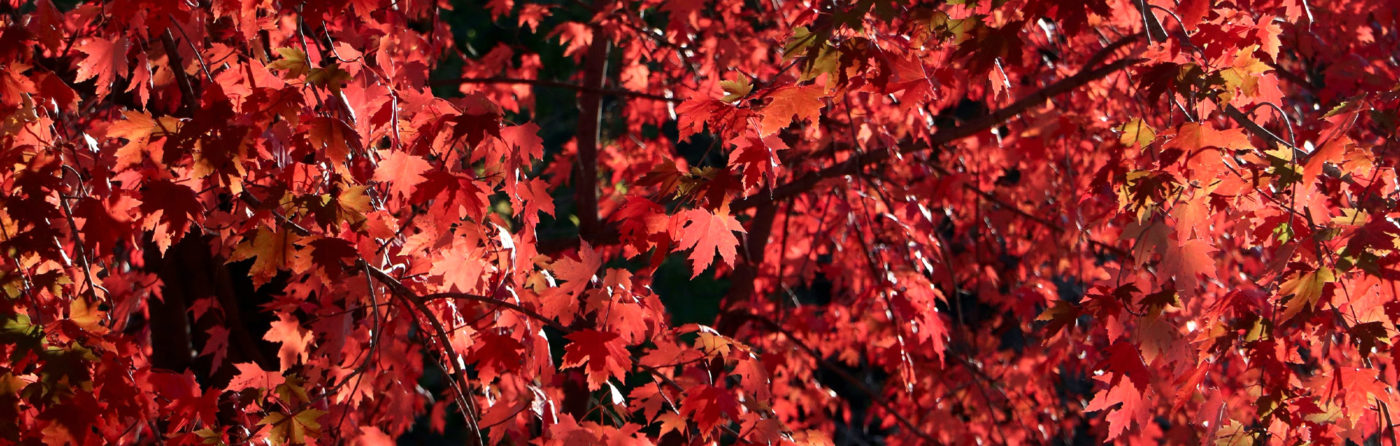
415	305
557	84
1029	216
500	303
856	163
255	203
608	234
874	396
1254	127
188	100
589	125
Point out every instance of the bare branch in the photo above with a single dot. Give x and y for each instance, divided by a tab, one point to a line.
459	377
874	396
557	84
856	163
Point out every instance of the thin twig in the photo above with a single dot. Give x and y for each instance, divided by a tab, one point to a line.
497	302
256	203
358	373
557	84
188	100
459	377
82	252
193	49
24	281
854	164
874	396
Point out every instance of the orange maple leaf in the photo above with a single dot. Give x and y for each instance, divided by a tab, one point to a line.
294	339
804	102
106	59
706	232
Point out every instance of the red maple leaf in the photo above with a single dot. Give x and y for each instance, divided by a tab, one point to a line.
708	405
757	160
171	207
251	376
294	339
494	354
105	61
1122	360
402	172
562	302
603	352
532	198
525	141
461	267
1132	410
705	233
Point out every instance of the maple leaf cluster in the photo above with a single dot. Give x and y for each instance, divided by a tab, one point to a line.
705	221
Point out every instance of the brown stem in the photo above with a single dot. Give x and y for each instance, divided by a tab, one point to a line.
37	310
188	99
459	377
1254	127
92	284
874	396
609	235
254	202
205	68
1290	76
856	163
500	303
589	123
1029	216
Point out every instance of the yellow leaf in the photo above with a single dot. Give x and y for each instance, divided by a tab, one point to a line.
208	436
273	249
1306	289
355	199
86	315
1136	132
736	89
1352	217
801	39
713	343
293	63
291	391
293	429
